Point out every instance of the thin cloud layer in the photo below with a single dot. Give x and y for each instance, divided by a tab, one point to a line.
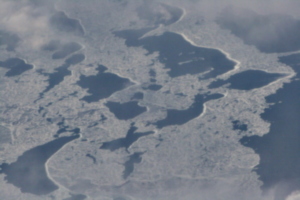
24	19
36	22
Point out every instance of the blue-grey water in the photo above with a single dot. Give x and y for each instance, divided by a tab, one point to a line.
138	96
91	157
152	80
56	77
152	73
153	87
103	118
61	72
178	55
238	125
64	128
129	164
279	149
29	173
15	66
125	111
75	59
269	33
247	80
126	141
10	40
62	22
180	117
102	85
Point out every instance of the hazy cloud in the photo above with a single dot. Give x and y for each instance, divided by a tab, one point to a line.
26	20
33	21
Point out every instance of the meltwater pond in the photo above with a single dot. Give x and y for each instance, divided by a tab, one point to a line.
138	96
129	164
153	87
178	55
238	125
102	85
247	80
125	111
29	173
61	72
125	142
279	165
10	40
179	117
15	66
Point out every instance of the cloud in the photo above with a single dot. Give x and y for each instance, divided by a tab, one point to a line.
294	196
26	20
211	8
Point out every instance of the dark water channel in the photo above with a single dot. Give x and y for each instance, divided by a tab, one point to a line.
179	117
248	80
125	111
61	72
178	55
129	164
238	125
279	149
125	142
153	87
29	173
138	96
8	39
15	66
